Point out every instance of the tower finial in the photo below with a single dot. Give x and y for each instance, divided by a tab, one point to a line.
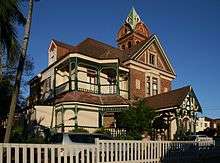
133	18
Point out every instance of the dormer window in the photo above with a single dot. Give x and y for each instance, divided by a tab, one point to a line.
152	59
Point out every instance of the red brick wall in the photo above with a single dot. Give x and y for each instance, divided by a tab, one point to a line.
165	84
136	93
109	120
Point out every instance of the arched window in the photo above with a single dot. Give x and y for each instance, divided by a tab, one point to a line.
123	47
126	30
129	44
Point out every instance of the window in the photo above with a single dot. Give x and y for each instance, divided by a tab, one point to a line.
126	30
152	59
152	86
137	42
138	84
155	86
165	89
129	44
148	85
123	47
206	125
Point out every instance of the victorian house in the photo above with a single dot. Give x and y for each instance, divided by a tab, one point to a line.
86	84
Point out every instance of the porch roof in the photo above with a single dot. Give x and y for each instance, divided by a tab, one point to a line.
169	99
86	97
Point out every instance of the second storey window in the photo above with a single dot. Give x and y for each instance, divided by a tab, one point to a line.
152	59
148	85
154	86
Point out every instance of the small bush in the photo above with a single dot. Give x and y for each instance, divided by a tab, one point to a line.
103	131
81	130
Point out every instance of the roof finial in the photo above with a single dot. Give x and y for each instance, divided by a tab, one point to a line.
133	18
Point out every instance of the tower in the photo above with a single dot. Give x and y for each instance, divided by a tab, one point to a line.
132	32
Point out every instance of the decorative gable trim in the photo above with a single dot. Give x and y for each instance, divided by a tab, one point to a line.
147	45
52	43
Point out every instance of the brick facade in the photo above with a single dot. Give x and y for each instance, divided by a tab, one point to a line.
109	120
134	76
165	85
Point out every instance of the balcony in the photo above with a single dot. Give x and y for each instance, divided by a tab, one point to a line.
99	79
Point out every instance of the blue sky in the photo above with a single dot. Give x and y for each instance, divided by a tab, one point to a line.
189	30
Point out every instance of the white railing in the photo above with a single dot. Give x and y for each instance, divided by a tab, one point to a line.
104	151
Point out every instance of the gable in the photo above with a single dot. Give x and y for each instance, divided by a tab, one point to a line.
154	48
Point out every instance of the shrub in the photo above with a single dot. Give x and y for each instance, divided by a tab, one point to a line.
81	130
103	131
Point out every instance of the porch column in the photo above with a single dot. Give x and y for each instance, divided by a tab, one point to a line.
62	125
70	75
76	116
177	122
54	82
56	120
102	118
194	124
117	80
169	127
98	80
76	74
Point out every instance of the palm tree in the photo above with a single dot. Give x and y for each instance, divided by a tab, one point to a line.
20	69
10	16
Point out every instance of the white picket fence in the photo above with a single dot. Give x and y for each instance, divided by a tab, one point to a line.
103	151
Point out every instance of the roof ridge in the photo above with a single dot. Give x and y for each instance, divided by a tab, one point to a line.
103	43
172	91
62	43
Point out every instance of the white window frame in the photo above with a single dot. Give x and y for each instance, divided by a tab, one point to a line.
151	76
155	55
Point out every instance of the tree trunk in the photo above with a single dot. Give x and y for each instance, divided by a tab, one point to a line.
20	68
1	63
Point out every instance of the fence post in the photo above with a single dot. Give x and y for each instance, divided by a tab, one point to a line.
1	152
97	150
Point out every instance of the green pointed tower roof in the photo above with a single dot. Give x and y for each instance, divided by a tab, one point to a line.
133	18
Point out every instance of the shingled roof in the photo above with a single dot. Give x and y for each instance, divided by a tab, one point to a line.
99	50
169	99
85	97
64	45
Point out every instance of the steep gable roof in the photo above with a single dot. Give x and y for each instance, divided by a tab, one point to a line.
145	44
169	99
100	50
61	44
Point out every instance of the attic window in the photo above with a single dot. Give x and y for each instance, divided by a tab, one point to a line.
152	59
